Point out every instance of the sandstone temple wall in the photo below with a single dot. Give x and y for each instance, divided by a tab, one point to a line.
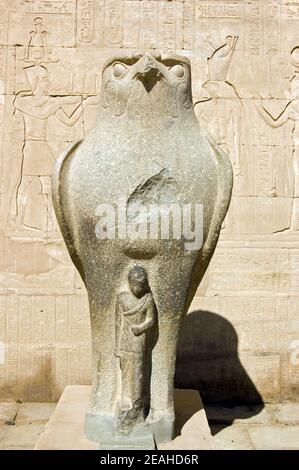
241	338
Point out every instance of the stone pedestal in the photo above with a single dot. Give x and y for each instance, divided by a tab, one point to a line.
65	429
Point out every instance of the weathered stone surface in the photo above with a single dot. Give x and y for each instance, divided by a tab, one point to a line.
231	438
274	437
65	430
34	413
288	413
4	428
8	412
39	290
21	437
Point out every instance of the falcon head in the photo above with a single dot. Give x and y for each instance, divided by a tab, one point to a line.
145	82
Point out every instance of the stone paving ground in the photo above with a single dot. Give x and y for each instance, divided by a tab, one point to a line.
274	427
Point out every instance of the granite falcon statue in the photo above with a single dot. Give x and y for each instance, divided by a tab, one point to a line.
148	149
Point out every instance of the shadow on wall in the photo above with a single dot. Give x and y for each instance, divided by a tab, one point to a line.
207	360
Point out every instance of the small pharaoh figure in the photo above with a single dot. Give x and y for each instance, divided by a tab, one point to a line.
135	316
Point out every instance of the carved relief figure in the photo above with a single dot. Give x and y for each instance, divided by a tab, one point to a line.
31	206
135	315
289	114
221	110
31	195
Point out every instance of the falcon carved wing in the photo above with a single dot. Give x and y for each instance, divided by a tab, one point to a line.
58	180
224	190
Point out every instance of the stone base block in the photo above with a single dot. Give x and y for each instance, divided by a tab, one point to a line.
65	429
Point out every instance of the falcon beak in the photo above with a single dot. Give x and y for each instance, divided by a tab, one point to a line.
148	72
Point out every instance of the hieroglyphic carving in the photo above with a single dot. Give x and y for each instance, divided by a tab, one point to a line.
254	31
50	6
131	23
85	21
37	50
148	26
56	25
166	26
188	24
113	22
291	9
272	38
264	181
219	10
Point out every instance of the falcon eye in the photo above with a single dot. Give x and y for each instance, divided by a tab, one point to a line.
178	70
119	70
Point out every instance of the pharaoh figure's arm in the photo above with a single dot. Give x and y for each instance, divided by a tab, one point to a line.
269	119
149	318
135	309
70	120
26	104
